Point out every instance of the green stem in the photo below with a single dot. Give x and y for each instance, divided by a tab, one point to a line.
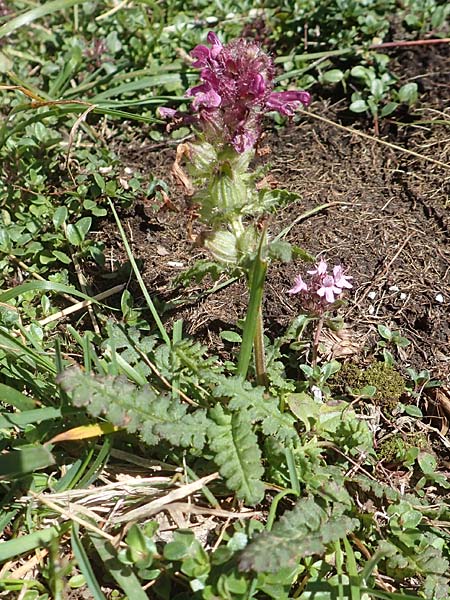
256	284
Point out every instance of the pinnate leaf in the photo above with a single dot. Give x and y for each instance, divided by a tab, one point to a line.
303	531
260	406
155	416
237	453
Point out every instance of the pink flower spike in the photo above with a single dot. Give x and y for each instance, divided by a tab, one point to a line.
235	92
320	269
299	286
340	279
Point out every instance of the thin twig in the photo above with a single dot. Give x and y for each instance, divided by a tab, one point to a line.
165	381
159	504
80	305
83	284
69	515
374	139
405	43
23	266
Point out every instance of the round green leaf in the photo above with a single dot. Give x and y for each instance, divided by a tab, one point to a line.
333	76
231	336
408	93
359	72
62	257
427	463
358	106
60	216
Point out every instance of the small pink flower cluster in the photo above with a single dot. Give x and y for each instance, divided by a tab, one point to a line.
323	289
236	91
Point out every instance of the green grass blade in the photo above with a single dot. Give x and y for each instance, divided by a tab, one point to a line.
26	417
36	13
309	213
26	543
40	286
84	565
292	468
13	345
389	595
97	465
352	571
138	275
26	460
257	278
140	84
13	397
123	574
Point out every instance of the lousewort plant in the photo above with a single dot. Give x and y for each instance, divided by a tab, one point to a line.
227	109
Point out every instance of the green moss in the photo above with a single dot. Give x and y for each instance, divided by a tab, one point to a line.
388	382
395	447
392	450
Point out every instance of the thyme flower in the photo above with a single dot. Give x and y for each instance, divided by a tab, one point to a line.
322	288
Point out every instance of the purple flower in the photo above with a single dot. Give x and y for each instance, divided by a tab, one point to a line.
340	279
328	289
236	91
320	269
299	286
286	103
322	289
204	96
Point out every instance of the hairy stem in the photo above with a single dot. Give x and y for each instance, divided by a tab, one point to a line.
315	347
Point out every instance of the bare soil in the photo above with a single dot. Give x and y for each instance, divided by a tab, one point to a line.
388	222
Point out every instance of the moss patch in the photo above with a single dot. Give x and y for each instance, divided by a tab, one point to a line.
388	382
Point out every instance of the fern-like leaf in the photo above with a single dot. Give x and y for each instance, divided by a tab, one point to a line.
304	531
259	406
237	453
155	417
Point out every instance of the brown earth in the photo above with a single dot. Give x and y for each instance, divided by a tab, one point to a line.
387	222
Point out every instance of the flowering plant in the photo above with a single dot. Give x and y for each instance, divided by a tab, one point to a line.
319	294
228	106
235	93
323	289
227	109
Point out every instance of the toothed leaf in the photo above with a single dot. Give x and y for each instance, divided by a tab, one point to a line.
260	406
303	531
155	417
237	453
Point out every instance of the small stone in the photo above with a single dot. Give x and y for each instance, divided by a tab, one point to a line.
176	264
439	298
